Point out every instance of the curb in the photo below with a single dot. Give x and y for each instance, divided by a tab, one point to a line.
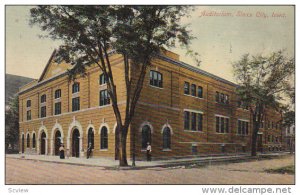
197	162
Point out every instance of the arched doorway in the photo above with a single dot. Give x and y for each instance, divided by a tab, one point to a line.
43	143
75	143
57	142
23	143
146	136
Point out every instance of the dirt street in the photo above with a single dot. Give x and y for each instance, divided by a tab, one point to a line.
35	172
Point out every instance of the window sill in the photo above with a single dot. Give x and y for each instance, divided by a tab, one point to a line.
222	133
200	98
224	104
242	135
193	131
104	150
166	150
156	87
106	105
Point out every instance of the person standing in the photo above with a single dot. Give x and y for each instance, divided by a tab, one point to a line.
149	152
89	150
62	151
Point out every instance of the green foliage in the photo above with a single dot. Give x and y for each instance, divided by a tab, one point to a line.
283	170
136	31
289	118
12	122
264	80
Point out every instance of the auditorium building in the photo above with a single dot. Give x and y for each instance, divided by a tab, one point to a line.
183	111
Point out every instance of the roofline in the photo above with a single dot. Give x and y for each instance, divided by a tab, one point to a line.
196	70
178	63
43	82
28	83
47	65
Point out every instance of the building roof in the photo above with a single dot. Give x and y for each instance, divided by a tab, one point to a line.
163	57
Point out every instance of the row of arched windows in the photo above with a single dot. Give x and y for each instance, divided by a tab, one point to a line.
146	137
103	138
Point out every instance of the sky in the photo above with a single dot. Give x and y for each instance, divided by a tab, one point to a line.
223	34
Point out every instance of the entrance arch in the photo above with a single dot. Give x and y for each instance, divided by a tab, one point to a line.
75	143
57	142
43	143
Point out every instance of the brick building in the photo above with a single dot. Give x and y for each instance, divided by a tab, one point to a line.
182	111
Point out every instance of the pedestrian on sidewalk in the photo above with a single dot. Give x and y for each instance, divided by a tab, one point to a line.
149	152
89	150
62	151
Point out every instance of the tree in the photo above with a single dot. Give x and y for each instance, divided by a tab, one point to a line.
12	123
90	33
263	82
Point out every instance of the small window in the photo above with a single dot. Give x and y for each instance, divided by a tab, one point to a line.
194	149
28	115
243	127
75	104
186	120
186	88
57	108
75	88
193	121
200	121
102	79
28	103
43	98
193	90
156	79
200	92
57	94
222	98
222	124
43	111
104	98
104	138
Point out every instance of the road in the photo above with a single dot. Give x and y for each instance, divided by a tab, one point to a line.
20	171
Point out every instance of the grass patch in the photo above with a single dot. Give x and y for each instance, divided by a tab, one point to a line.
283	170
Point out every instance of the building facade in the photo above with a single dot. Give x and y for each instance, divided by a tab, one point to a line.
182	111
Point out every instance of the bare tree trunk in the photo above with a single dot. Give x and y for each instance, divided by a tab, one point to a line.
122	148
253	143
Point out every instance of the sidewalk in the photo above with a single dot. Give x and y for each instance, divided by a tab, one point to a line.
109	163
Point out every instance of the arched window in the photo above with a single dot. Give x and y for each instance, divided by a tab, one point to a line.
104	138
75	88
33	140
146	136
166	138
91	137
28	140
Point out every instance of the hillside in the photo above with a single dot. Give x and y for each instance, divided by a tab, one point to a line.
12	84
